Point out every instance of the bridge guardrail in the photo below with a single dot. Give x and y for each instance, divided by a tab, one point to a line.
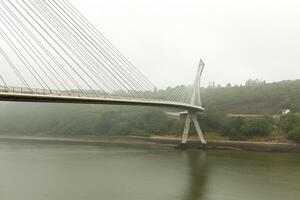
71	93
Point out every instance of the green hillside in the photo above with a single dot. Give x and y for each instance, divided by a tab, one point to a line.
268	98
34	118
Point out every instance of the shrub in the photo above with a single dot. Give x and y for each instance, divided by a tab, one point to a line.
233	134
260	126
211	120
230	126
290	121
294	134
239	128
290	124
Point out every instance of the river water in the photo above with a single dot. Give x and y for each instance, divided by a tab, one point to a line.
62	171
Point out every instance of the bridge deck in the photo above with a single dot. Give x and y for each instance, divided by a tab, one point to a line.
24	95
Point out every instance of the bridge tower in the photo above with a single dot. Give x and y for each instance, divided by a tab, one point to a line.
192	115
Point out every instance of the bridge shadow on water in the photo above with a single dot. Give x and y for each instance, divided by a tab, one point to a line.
198	175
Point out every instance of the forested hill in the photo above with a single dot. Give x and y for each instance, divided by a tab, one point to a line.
122	120
266	98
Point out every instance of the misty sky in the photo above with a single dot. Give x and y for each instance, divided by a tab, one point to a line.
237	39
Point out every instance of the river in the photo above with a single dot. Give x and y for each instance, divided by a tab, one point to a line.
31	170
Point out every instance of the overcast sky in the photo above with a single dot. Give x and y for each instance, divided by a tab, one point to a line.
237	39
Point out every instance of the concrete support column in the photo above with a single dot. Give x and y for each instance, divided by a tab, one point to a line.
197	126
186	129
193	117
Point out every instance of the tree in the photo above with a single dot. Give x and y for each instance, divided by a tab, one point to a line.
260	126
290	124
294	134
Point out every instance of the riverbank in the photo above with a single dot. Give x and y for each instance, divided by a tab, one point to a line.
161	142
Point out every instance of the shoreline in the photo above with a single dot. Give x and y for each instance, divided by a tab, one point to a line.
159	142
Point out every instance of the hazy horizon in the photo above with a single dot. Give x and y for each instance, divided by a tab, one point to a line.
237	40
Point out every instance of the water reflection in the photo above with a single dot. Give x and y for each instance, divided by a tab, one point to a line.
198	171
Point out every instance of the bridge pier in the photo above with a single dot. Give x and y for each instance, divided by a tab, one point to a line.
191	116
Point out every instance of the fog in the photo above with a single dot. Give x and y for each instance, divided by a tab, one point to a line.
237	39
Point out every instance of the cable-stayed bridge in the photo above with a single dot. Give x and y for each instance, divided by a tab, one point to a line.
49	52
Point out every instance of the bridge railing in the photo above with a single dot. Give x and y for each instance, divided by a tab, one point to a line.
72	93
23	90
36	91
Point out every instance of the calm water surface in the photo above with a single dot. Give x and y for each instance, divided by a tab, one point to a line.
58	171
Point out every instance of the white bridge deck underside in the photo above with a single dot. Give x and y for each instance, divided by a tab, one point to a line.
50	98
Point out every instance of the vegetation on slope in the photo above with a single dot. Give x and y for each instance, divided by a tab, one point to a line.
254	98
258	98
29	118
290	123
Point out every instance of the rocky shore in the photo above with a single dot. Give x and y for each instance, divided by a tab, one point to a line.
160	142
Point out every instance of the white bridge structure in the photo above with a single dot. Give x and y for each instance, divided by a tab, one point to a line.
50	45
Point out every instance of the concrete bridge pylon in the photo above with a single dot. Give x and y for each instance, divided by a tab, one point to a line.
191	116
